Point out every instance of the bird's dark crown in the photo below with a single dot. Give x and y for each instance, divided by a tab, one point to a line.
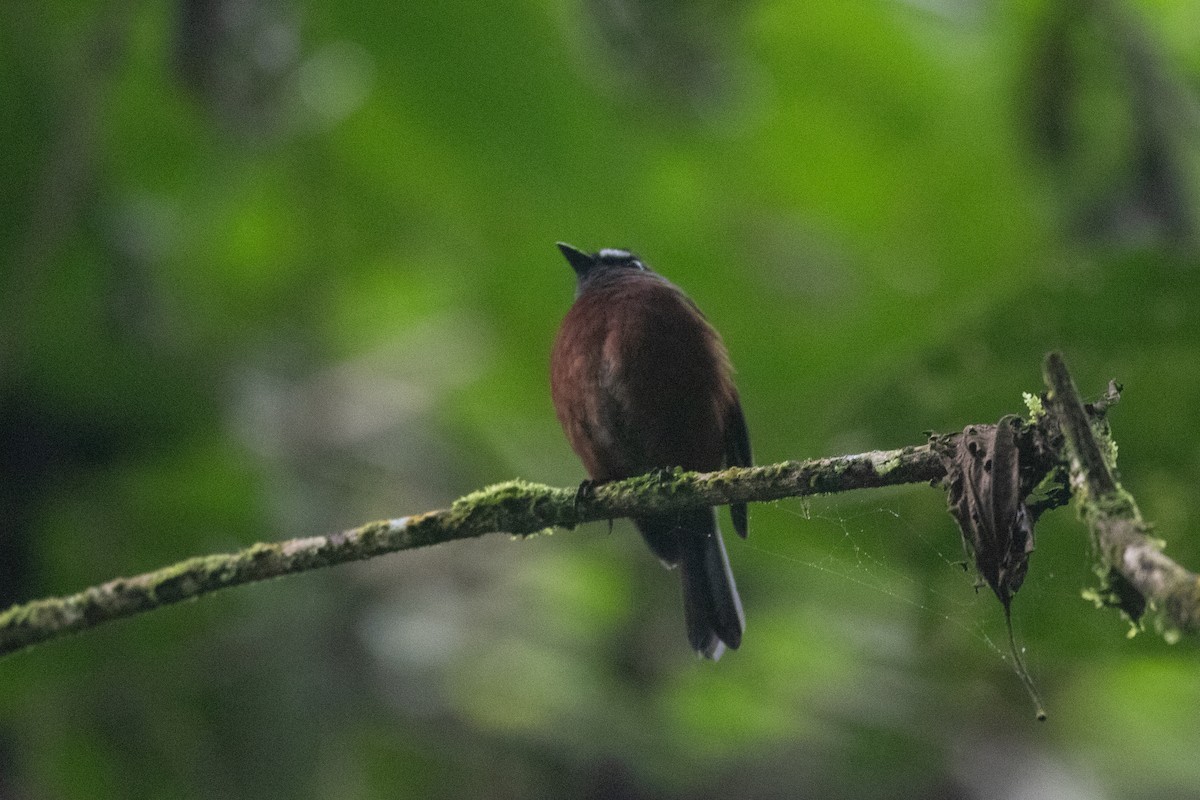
588	265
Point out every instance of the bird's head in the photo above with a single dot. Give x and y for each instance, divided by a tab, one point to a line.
591	266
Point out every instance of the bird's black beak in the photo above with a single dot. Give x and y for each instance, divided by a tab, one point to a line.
580	261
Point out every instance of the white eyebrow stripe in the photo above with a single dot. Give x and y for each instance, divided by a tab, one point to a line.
614	256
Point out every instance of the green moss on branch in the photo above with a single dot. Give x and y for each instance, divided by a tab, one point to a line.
515	507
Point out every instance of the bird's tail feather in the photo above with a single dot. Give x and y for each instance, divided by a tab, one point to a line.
711	605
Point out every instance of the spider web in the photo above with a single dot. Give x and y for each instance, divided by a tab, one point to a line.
913	559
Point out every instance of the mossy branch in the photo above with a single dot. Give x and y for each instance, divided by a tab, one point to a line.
522	508
1135	573
516	507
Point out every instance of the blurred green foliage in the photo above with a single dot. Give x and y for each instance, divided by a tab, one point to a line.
273	269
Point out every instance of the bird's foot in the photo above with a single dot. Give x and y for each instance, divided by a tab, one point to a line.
586	491
664	474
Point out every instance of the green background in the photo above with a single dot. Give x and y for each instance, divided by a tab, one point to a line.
273	270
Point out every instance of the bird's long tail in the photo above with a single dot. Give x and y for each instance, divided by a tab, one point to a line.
711	606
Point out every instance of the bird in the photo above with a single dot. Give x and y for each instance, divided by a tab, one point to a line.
641	381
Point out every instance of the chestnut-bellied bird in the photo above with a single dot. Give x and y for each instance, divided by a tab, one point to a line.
641	381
